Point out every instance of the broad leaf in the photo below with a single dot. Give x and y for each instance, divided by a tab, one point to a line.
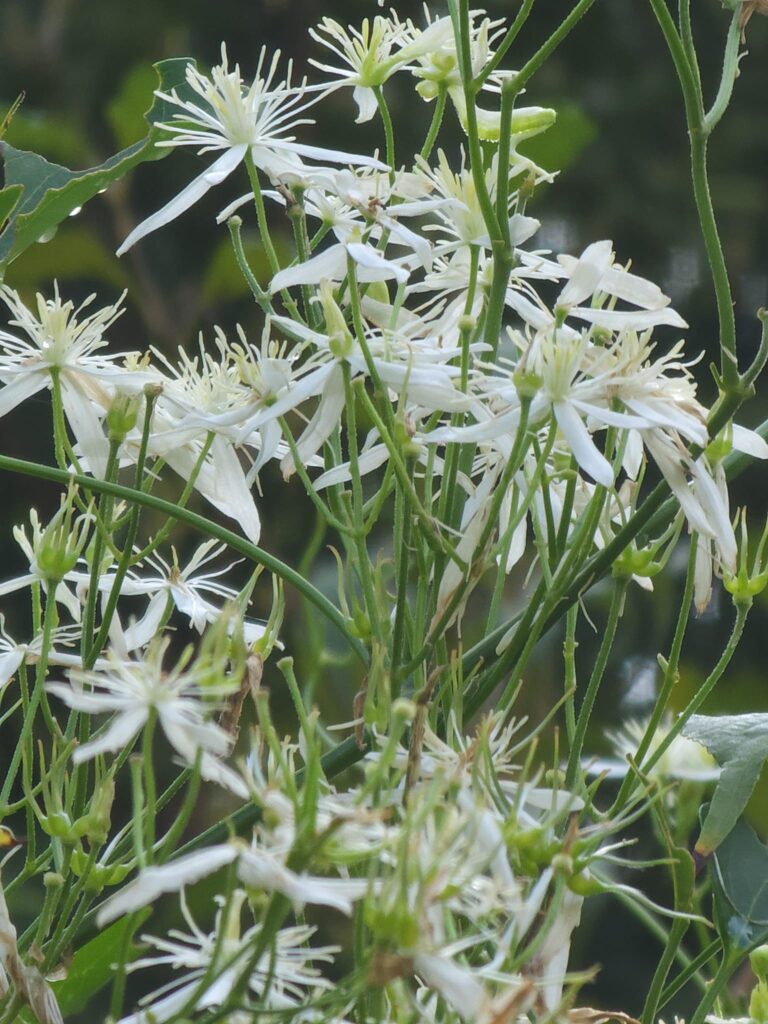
739	744
51	193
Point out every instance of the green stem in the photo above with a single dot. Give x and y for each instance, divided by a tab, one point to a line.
671	676
729	74
235	225
512	32
690	972
703	691
596	678
389	132
698	130
437	120
203	525
363	560
530	68
722	976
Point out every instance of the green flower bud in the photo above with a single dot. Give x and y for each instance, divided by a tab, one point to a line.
122	416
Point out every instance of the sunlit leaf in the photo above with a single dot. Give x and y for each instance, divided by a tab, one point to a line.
739	744
52	192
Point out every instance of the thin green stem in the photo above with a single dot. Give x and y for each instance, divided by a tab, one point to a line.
501	50
671	676
598	672
436	122
722	976
703	691
389	131
729	74
197	522
698	133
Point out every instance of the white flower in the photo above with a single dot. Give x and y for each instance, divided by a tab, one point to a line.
373	53
238	120
257	866
208	966
185	587
683	759
63	343
133	690
467	991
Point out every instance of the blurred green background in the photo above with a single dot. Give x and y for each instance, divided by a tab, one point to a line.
620	142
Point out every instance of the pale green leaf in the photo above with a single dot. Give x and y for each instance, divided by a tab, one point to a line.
739	744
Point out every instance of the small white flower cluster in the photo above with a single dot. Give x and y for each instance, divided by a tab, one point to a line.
450	859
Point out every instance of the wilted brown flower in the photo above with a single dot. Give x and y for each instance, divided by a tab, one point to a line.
750	7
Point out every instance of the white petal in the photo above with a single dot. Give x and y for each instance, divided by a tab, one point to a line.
320	427
521	228
375	267
331	265
365	99
635	320
86	424
749	442
124	727
333	156
171	877
9	664
587	273
22	387
195	190
581	444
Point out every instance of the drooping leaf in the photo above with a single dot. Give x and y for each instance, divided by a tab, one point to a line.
51	192
739	744
92	966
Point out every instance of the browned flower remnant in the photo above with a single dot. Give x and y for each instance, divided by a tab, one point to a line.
750	7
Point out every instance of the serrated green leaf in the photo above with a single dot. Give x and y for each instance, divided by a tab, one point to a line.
739	744
52	192
92	966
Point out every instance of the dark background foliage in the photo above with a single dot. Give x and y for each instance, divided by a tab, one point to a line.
621	143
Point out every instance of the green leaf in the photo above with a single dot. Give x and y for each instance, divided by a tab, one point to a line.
52	192
739	744
9	197
741	864
92	966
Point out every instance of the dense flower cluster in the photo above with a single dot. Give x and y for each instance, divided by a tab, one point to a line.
515	400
